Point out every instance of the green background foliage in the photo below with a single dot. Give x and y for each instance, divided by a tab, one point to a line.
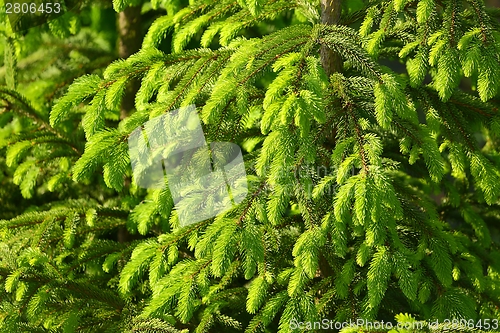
373	189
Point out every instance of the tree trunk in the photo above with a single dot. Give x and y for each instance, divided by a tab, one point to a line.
129	42
493	3
330	15
331	63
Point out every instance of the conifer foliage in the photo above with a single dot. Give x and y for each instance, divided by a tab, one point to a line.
372	192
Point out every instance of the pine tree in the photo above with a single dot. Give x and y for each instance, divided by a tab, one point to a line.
370	134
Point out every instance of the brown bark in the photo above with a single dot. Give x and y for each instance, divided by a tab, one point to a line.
129	42
330	15
331	63
493	3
